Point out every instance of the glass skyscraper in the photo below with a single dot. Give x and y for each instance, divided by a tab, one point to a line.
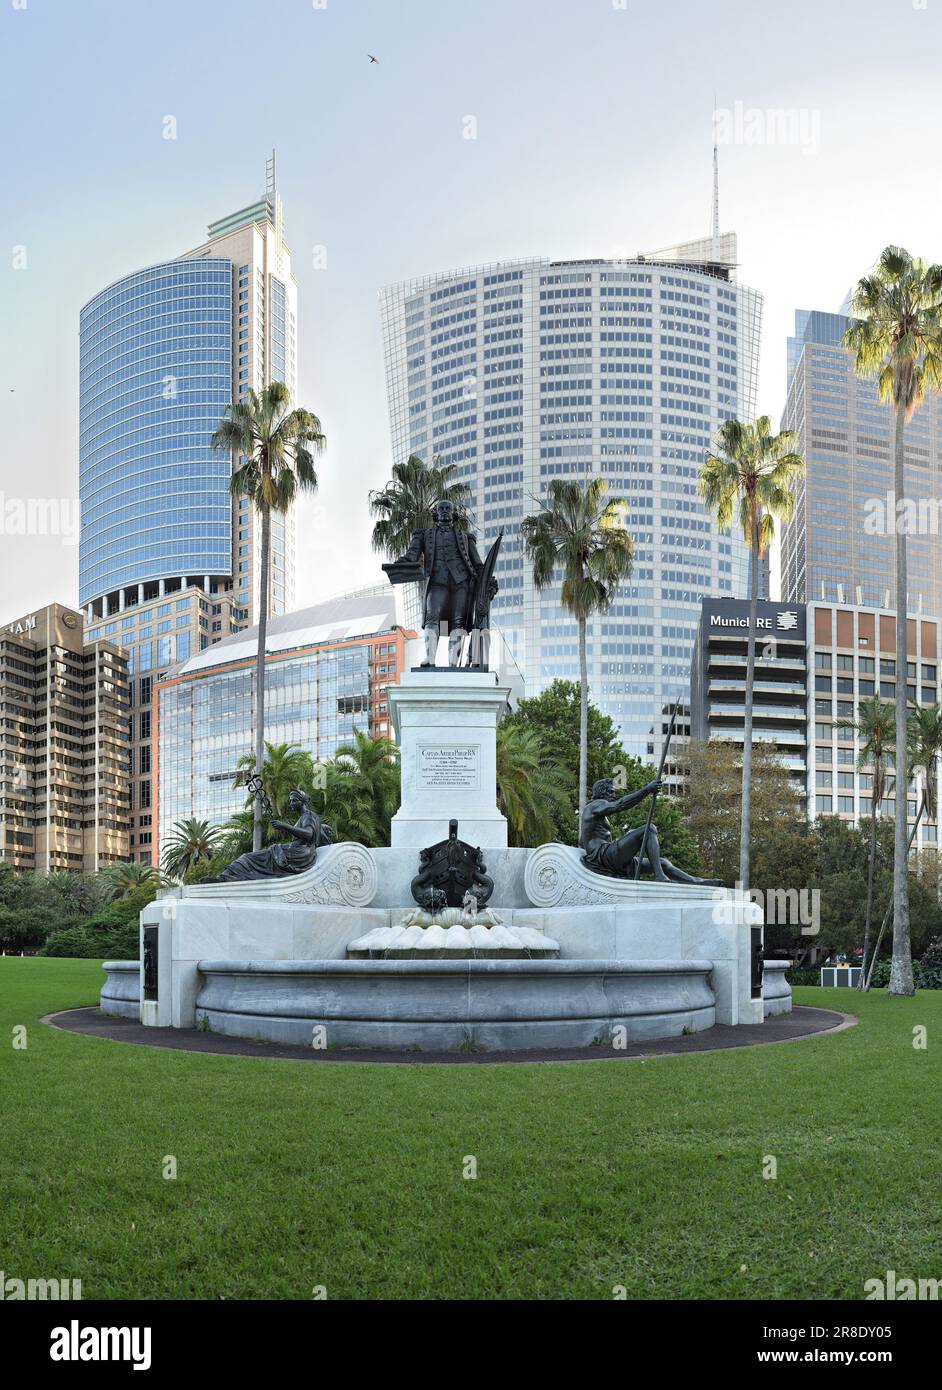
524	371
155	379
168	559
162	352
830	551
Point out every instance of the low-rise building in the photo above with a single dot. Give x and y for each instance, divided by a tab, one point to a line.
328	669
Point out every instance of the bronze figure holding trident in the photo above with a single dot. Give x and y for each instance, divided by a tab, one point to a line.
636	849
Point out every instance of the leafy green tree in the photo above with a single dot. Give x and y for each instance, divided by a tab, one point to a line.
286	766
581	532
750	476
896	336
111	933
125	878
405	504
26	927
533	790
192	840
924	741
72	894
554	717
840	877
357	791
236	837
712	808
273	448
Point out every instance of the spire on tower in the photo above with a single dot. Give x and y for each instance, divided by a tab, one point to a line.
716	192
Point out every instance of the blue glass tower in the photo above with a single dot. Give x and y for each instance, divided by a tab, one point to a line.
155	379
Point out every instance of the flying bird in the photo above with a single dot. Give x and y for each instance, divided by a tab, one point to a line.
371	58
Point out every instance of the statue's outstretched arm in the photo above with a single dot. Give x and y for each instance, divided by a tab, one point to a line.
416	546
300	832
625	803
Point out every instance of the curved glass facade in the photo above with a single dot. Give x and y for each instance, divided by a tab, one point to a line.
521	372
155	366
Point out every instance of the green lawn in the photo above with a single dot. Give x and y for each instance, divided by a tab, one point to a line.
641	1173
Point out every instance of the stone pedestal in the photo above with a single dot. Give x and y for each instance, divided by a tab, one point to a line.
447	727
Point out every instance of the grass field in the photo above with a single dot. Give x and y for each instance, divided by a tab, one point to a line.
290	1175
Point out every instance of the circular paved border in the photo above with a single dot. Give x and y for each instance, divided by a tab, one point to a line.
802	1022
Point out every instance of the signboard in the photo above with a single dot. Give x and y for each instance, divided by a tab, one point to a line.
784	621
448	765
787	621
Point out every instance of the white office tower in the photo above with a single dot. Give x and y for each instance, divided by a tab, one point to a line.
524	371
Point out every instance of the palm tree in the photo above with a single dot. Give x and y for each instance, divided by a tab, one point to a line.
360	792
123	878
236	836
924	731
405	504
72	893
275	449
584	534
286	766
896	336
751	472
532	789
875	728
924	740
191	841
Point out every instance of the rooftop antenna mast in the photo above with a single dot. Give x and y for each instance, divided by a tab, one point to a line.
716	193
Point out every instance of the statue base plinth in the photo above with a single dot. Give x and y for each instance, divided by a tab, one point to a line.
446	720
451	670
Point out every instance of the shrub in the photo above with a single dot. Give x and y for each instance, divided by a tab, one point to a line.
207	868
111	934
881	975
803	975
96	941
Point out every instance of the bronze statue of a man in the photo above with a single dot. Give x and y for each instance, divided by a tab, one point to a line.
605	855
452	566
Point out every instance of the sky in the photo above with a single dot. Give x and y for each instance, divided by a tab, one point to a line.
593	132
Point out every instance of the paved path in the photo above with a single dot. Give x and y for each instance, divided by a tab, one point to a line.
800	1023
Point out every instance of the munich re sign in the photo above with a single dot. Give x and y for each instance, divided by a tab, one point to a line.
786	621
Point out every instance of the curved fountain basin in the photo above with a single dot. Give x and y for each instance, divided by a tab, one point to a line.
443	1005
121	992
776	991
